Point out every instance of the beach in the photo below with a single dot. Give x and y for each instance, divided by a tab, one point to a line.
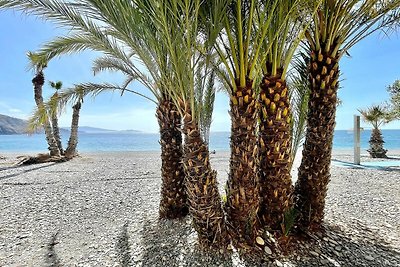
101	209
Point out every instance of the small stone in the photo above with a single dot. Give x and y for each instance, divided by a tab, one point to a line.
338	248
260	241
314	253
268	250
278	263
369	258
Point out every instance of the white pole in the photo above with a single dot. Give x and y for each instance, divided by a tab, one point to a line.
357	137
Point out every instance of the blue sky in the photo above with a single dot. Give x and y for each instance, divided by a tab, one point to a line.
374	64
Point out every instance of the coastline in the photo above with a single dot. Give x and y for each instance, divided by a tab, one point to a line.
101	209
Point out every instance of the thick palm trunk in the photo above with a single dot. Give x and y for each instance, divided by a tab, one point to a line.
70	152
242	188
202	188
38	82
274	152
314	172
376	142
173	203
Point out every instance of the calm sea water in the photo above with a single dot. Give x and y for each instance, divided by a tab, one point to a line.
219	141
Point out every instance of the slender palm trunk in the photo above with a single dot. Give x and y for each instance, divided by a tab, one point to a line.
314	172
274	152
38	82
70	152
242	188
173	203
202	188
56	132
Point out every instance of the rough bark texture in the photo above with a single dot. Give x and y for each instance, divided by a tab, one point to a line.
314	172
70	152
274	153
38	82
202	189
173	203
242	193
56	131
376	142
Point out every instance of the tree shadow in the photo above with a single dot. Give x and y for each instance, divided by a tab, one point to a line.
356	246
23	171
174	243
123	247
51	257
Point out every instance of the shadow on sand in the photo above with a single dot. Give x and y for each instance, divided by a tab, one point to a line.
174	243
51	257
123	247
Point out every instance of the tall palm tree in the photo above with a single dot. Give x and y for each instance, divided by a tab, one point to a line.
275	144
238	47
54	117
38	64
128	43
71	152
337	26
201	182
376	115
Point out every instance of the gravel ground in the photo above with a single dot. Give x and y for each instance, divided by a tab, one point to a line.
101	210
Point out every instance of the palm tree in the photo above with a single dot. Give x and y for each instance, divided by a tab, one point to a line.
275	142
71	152
238	47
38	64
376	115
54	118
337	26
128	42
201	182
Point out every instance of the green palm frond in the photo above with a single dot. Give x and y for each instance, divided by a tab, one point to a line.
376	115
56	85
340	24
299	96
36	62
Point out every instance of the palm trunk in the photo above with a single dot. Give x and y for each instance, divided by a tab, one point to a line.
56	132
38	82
274	153
202	188
376	142
314	172
173	203
242	188
70	152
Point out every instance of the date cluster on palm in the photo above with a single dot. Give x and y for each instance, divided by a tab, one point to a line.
173	203
274	152
202	188
314	174
242	190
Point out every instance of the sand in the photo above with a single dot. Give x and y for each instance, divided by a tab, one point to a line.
101	209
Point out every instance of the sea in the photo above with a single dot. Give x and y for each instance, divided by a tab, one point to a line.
134	141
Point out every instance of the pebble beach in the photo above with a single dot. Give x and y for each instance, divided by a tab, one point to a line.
101	209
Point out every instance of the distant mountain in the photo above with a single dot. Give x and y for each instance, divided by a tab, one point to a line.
88	129
10	125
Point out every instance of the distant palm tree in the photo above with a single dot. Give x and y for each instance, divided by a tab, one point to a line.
337	26
38	64
54	117
71	152
376	115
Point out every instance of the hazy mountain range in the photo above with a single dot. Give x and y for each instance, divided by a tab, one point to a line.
11	125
